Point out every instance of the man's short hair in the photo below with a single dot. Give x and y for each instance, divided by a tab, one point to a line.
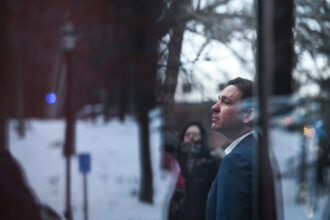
244	85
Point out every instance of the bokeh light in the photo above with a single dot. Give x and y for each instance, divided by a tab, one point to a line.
51	98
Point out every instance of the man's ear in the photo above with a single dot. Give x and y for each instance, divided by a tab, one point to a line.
248	116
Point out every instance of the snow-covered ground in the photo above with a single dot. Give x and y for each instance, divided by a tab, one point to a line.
113	182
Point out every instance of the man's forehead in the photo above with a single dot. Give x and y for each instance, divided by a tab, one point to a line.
231	92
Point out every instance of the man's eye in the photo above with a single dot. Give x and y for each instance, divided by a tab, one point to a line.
227	102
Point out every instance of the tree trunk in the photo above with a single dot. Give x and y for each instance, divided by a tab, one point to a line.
20	108
3	133
167	95
146	190
325	86
3	80
173	63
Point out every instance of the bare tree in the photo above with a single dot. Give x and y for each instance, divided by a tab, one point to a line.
312	38
312	46
213	21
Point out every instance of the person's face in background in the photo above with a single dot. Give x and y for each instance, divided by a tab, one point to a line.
192	134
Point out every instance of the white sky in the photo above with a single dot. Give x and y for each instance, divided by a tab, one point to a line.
221	66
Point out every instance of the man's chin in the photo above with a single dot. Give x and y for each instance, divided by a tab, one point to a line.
215	127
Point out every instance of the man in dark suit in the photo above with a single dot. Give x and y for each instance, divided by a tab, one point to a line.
231	193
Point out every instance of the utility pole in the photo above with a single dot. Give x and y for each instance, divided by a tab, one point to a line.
69	145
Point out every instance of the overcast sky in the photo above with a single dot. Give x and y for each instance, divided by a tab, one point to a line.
219	66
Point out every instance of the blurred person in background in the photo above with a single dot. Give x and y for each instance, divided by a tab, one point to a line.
323	153
198	169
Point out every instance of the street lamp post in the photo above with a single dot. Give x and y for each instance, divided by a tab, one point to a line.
68	45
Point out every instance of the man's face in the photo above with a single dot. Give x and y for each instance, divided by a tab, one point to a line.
226	116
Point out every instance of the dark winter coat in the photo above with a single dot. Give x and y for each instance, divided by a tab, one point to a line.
198	171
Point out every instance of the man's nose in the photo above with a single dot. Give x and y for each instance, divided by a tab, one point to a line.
216	107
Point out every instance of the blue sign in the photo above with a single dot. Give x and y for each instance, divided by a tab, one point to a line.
84	163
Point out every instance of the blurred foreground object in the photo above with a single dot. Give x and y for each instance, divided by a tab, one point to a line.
17	201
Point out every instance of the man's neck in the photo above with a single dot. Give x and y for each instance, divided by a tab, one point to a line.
244	131
236	142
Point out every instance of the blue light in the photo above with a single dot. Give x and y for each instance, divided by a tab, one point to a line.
51	98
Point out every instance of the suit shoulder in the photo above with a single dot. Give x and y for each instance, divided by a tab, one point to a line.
239	158
246	147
